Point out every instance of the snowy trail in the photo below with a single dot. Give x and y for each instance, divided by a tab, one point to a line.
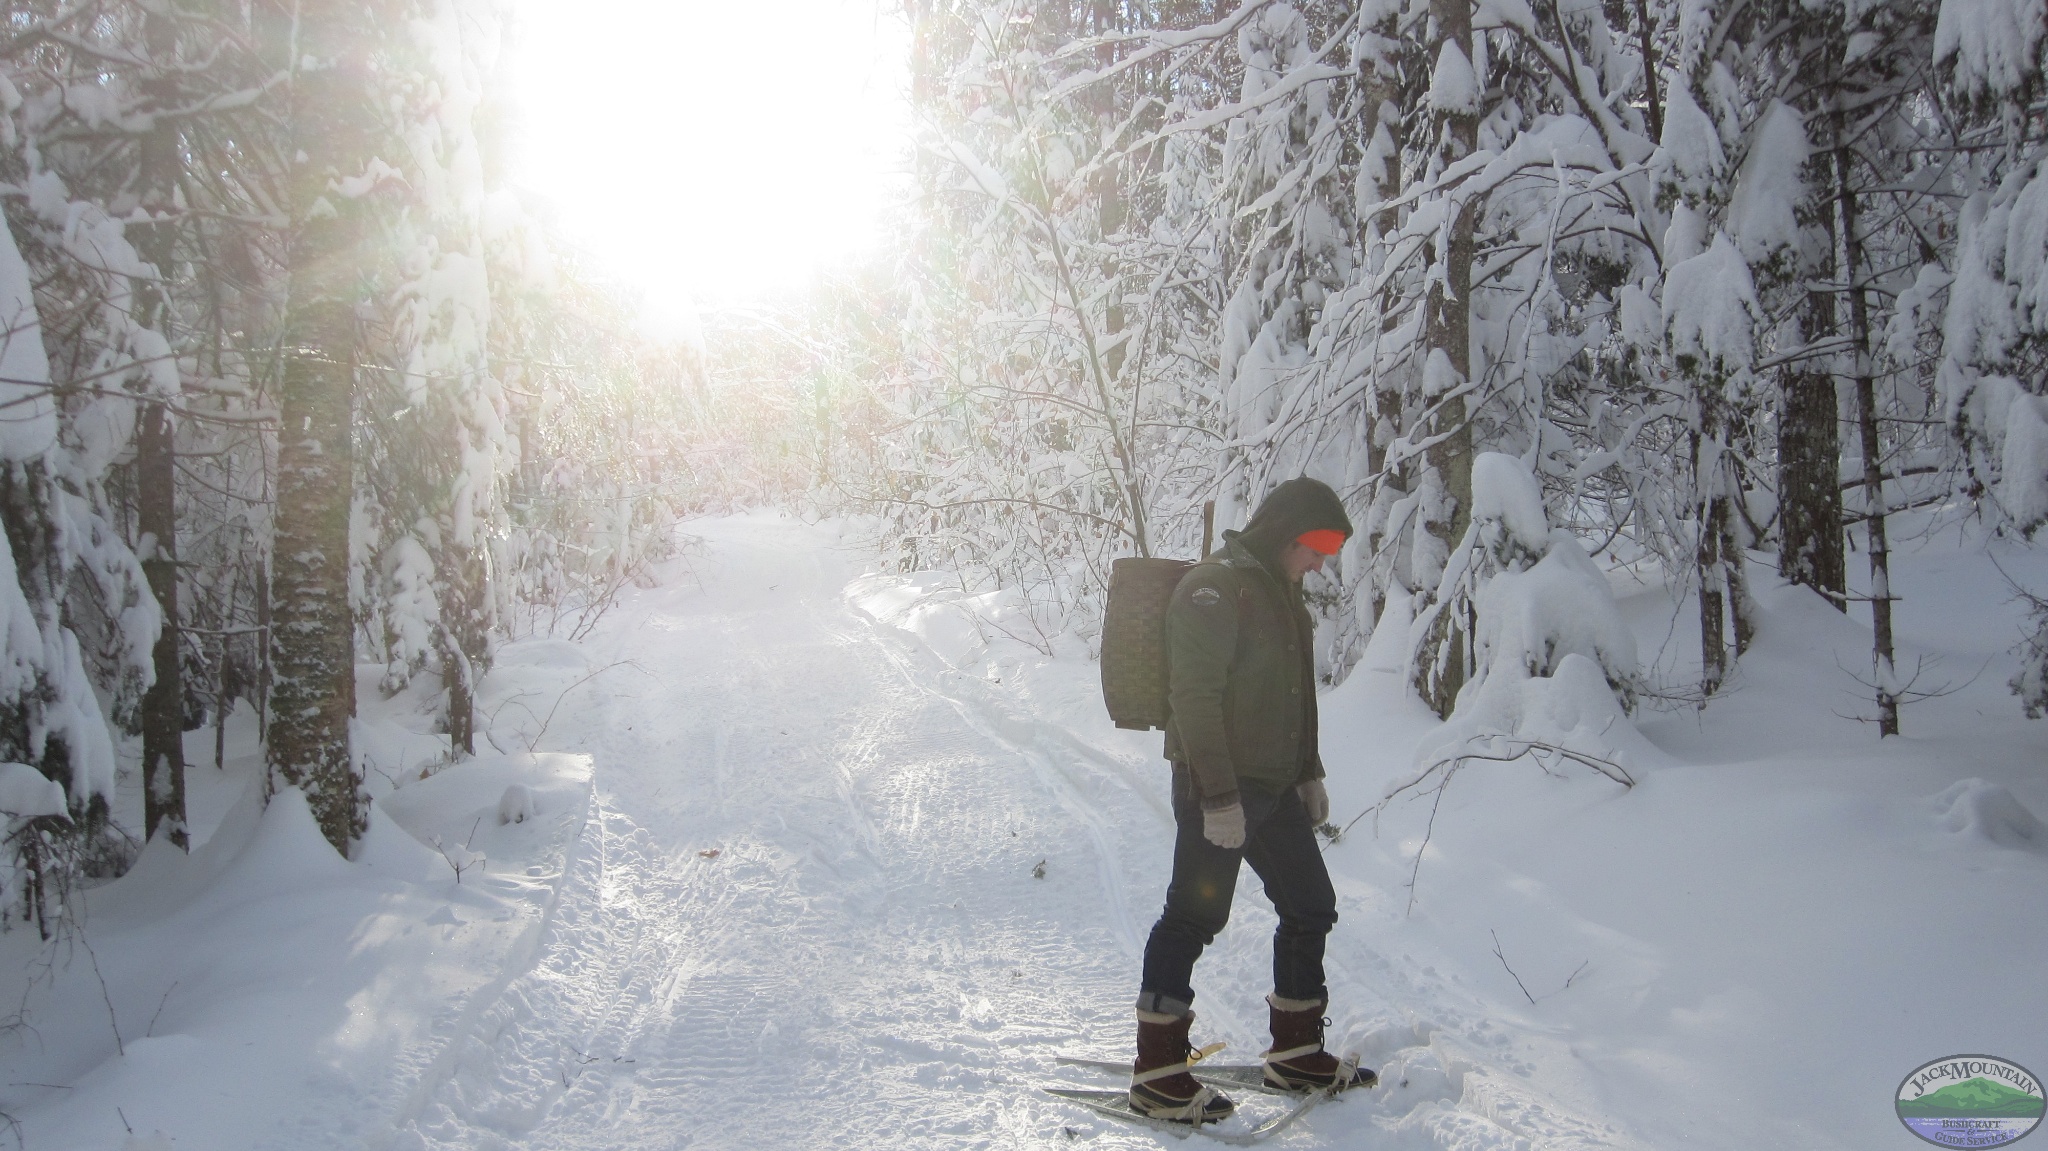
867	958
804	912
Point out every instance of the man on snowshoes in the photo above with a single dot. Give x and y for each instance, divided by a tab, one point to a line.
1247	785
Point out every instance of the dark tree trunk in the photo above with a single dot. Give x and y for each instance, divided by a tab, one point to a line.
1646	38
1711	560
312	632
1883	667
156	471
312	693
1810	549
465	640
1448	316
163	706
1381	107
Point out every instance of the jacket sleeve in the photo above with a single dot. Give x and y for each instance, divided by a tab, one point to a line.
1201	640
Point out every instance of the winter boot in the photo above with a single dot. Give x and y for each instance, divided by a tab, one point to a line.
1297	1061
1161	1087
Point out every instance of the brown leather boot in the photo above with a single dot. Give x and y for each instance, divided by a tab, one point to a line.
1161	1087
1297	1061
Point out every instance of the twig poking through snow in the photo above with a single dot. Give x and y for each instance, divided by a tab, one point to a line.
533	743
1909	692
151	1029
106	997
1502	956
462	859
1511	971
1498	751
1415	872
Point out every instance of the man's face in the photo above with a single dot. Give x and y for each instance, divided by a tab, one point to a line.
1299	559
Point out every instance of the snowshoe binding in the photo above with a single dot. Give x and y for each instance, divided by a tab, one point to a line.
1162	1086
1297	1061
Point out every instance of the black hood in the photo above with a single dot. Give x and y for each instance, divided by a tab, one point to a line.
1297	506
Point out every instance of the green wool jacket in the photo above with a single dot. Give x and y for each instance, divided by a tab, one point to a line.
1241	679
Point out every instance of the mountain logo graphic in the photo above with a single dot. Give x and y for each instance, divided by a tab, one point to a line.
1971	1101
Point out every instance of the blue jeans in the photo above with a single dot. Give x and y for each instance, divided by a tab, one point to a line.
1281	847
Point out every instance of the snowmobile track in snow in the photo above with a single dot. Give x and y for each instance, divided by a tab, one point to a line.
866	958
805	911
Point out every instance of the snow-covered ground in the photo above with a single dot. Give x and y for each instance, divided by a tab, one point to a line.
824	860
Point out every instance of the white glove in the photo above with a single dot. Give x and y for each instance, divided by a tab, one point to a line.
1316	798
1224	826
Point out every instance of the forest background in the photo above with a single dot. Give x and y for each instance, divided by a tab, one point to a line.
296	382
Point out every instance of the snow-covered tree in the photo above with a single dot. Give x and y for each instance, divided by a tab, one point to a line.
435	446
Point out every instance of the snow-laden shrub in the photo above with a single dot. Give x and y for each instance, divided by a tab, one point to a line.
2030	683
1710	311
1530	620
1521	598
1995	338
77	620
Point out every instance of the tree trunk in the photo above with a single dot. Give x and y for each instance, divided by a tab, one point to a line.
1884	670
312	634
1380	102
1109	199
163	706
1713	572
465	639
1448	318
156	465
1809	484
1646	38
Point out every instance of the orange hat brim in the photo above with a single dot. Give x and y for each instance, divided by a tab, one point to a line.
1328	541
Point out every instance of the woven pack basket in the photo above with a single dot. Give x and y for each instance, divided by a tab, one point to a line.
1134	640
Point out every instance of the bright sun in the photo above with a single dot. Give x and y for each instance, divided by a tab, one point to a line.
708	152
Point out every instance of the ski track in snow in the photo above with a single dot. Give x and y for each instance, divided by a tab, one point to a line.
868	959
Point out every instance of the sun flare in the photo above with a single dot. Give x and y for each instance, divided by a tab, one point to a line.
709	153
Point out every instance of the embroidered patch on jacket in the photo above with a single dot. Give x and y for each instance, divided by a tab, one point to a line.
1206	597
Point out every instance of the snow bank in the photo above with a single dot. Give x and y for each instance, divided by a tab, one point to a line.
1975	809
263	991
963	628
